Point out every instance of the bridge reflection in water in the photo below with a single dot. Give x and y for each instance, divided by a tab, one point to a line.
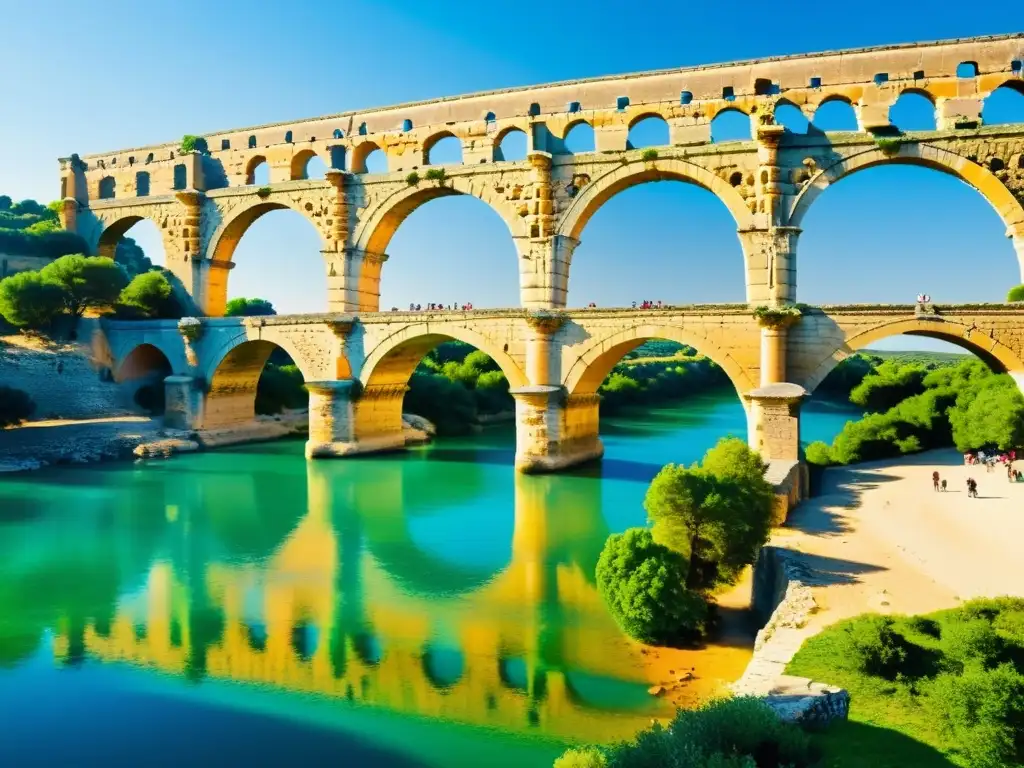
347	604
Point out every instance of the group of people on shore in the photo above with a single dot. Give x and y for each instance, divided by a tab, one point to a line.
991	460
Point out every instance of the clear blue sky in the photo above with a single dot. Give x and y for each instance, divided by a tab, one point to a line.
90	77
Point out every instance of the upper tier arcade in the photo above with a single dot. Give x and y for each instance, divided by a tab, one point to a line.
203	202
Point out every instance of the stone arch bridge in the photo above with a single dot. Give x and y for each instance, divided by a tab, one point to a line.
357	367
204	200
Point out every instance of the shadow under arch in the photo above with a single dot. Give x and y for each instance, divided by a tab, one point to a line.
1000	358
143	361
600	190
232	378
1009	209
592	367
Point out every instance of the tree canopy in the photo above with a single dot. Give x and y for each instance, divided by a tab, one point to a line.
88	281
242	307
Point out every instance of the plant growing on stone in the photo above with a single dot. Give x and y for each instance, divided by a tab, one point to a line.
776	317
190	143
243	307
263	192
412	179
889	145
190	327
437	174
15	406
649	154
29	301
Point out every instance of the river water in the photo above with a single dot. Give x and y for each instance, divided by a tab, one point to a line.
246	607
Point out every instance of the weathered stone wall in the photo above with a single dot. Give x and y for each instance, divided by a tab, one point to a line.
11	264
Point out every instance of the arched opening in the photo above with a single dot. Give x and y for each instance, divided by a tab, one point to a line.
442	149
369	158
257	171
791	117
305	640
443	666
450	380
308	165
967	69
368	648
180	176
337	158
142	184
1005	104
138	253
730	125
108	188
922	385
253	378
673	227
252	142
648	131
835	115
435	224
579	139
899	252
511	146
142	375
276	252
913	111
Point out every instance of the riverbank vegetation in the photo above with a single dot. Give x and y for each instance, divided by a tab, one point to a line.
910	408
708	522
945	688
728	733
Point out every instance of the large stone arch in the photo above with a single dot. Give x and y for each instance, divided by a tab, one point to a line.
379	224
148	357
312	362
1008	207
385	374
600	190
970	338
105	231
593	365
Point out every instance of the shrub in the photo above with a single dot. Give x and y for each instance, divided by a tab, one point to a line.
263	192
874	646
27	300
889	146
88	281
983	710
649	154
1016	293
448	404
643	584
242	307
436	174
412	179
742	732
15	406
149	295
582	757
973	640
818	453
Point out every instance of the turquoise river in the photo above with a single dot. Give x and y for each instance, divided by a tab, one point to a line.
247	607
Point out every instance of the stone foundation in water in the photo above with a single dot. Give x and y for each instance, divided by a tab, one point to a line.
783	600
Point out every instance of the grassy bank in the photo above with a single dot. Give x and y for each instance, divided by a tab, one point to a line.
944	689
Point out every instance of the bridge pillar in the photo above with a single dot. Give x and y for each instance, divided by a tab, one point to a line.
554	431
331	418
770	256
773	423
353	280
544	270
182	403
774	341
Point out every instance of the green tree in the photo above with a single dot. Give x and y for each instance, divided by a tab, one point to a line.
717	514
991	414
242	307
149	295
27	300
888	385
1016	293
15	406
132	258
643	584
88	281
